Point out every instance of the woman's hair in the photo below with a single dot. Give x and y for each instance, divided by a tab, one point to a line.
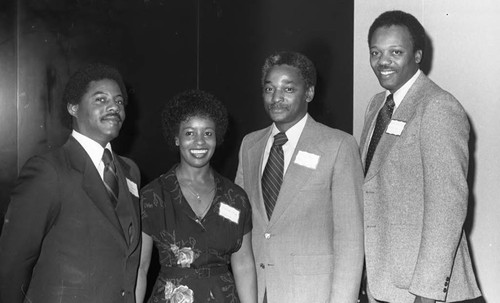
193	103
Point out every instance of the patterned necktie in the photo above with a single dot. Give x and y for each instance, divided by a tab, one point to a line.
383	119
110	177
273	173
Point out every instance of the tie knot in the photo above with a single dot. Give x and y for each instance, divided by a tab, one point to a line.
280	139
106	157
390	102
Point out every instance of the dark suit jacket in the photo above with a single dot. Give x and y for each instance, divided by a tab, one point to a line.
62	240
415	198
312	248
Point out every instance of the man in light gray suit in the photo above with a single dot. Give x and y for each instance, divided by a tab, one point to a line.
305	194
415	188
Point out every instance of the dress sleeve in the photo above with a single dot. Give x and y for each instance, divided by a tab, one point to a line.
150	202
242	203
247	219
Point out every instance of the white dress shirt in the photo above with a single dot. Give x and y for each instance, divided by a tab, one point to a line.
93	149
293	135
398	97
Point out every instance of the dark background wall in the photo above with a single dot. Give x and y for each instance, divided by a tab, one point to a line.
8	105
161	47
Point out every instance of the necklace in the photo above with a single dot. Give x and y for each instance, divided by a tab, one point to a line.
194	193
202	215
210	196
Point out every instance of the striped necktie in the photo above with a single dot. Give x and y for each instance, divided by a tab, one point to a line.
110	177
383	119
273	173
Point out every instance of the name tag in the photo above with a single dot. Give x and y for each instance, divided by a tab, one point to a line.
395	127
132	188
229	212
307	159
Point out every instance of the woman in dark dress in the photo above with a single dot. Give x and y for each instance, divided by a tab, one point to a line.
199	221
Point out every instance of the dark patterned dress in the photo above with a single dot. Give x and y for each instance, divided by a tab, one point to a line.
194	254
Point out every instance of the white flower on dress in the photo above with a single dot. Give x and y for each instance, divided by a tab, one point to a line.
179	294
185	256
169	290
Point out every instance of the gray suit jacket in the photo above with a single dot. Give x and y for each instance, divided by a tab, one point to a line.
312	248
415	199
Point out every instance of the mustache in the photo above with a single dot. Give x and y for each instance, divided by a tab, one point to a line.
112	116
277	106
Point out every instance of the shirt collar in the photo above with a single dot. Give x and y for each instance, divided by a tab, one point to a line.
294	132
93	149
399	95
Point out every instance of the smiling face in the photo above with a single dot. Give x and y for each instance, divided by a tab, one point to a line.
196	141
101	111
286	96
392	56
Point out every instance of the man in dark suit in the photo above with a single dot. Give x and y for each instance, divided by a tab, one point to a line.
415	150
72	230
307	234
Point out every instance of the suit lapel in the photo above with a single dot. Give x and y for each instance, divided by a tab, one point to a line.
404	113
131	230
93	185
256	152
296	175
370	120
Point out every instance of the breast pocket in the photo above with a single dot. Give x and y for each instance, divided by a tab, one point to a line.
316	183
410	135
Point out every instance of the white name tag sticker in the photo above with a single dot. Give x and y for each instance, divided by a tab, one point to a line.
132	188
229	212
307	159
395	127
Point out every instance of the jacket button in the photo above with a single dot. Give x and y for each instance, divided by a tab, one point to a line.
267	235
445	289
262	265
123	293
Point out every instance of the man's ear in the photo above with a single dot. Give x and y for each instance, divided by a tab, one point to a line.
418	56
310	94
72	109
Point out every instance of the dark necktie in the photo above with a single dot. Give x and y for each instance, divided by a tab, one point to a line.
273	173
383	119
110	177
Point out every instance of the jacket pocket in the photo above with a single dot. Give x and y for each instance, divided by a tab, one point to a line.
312	279
313	264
